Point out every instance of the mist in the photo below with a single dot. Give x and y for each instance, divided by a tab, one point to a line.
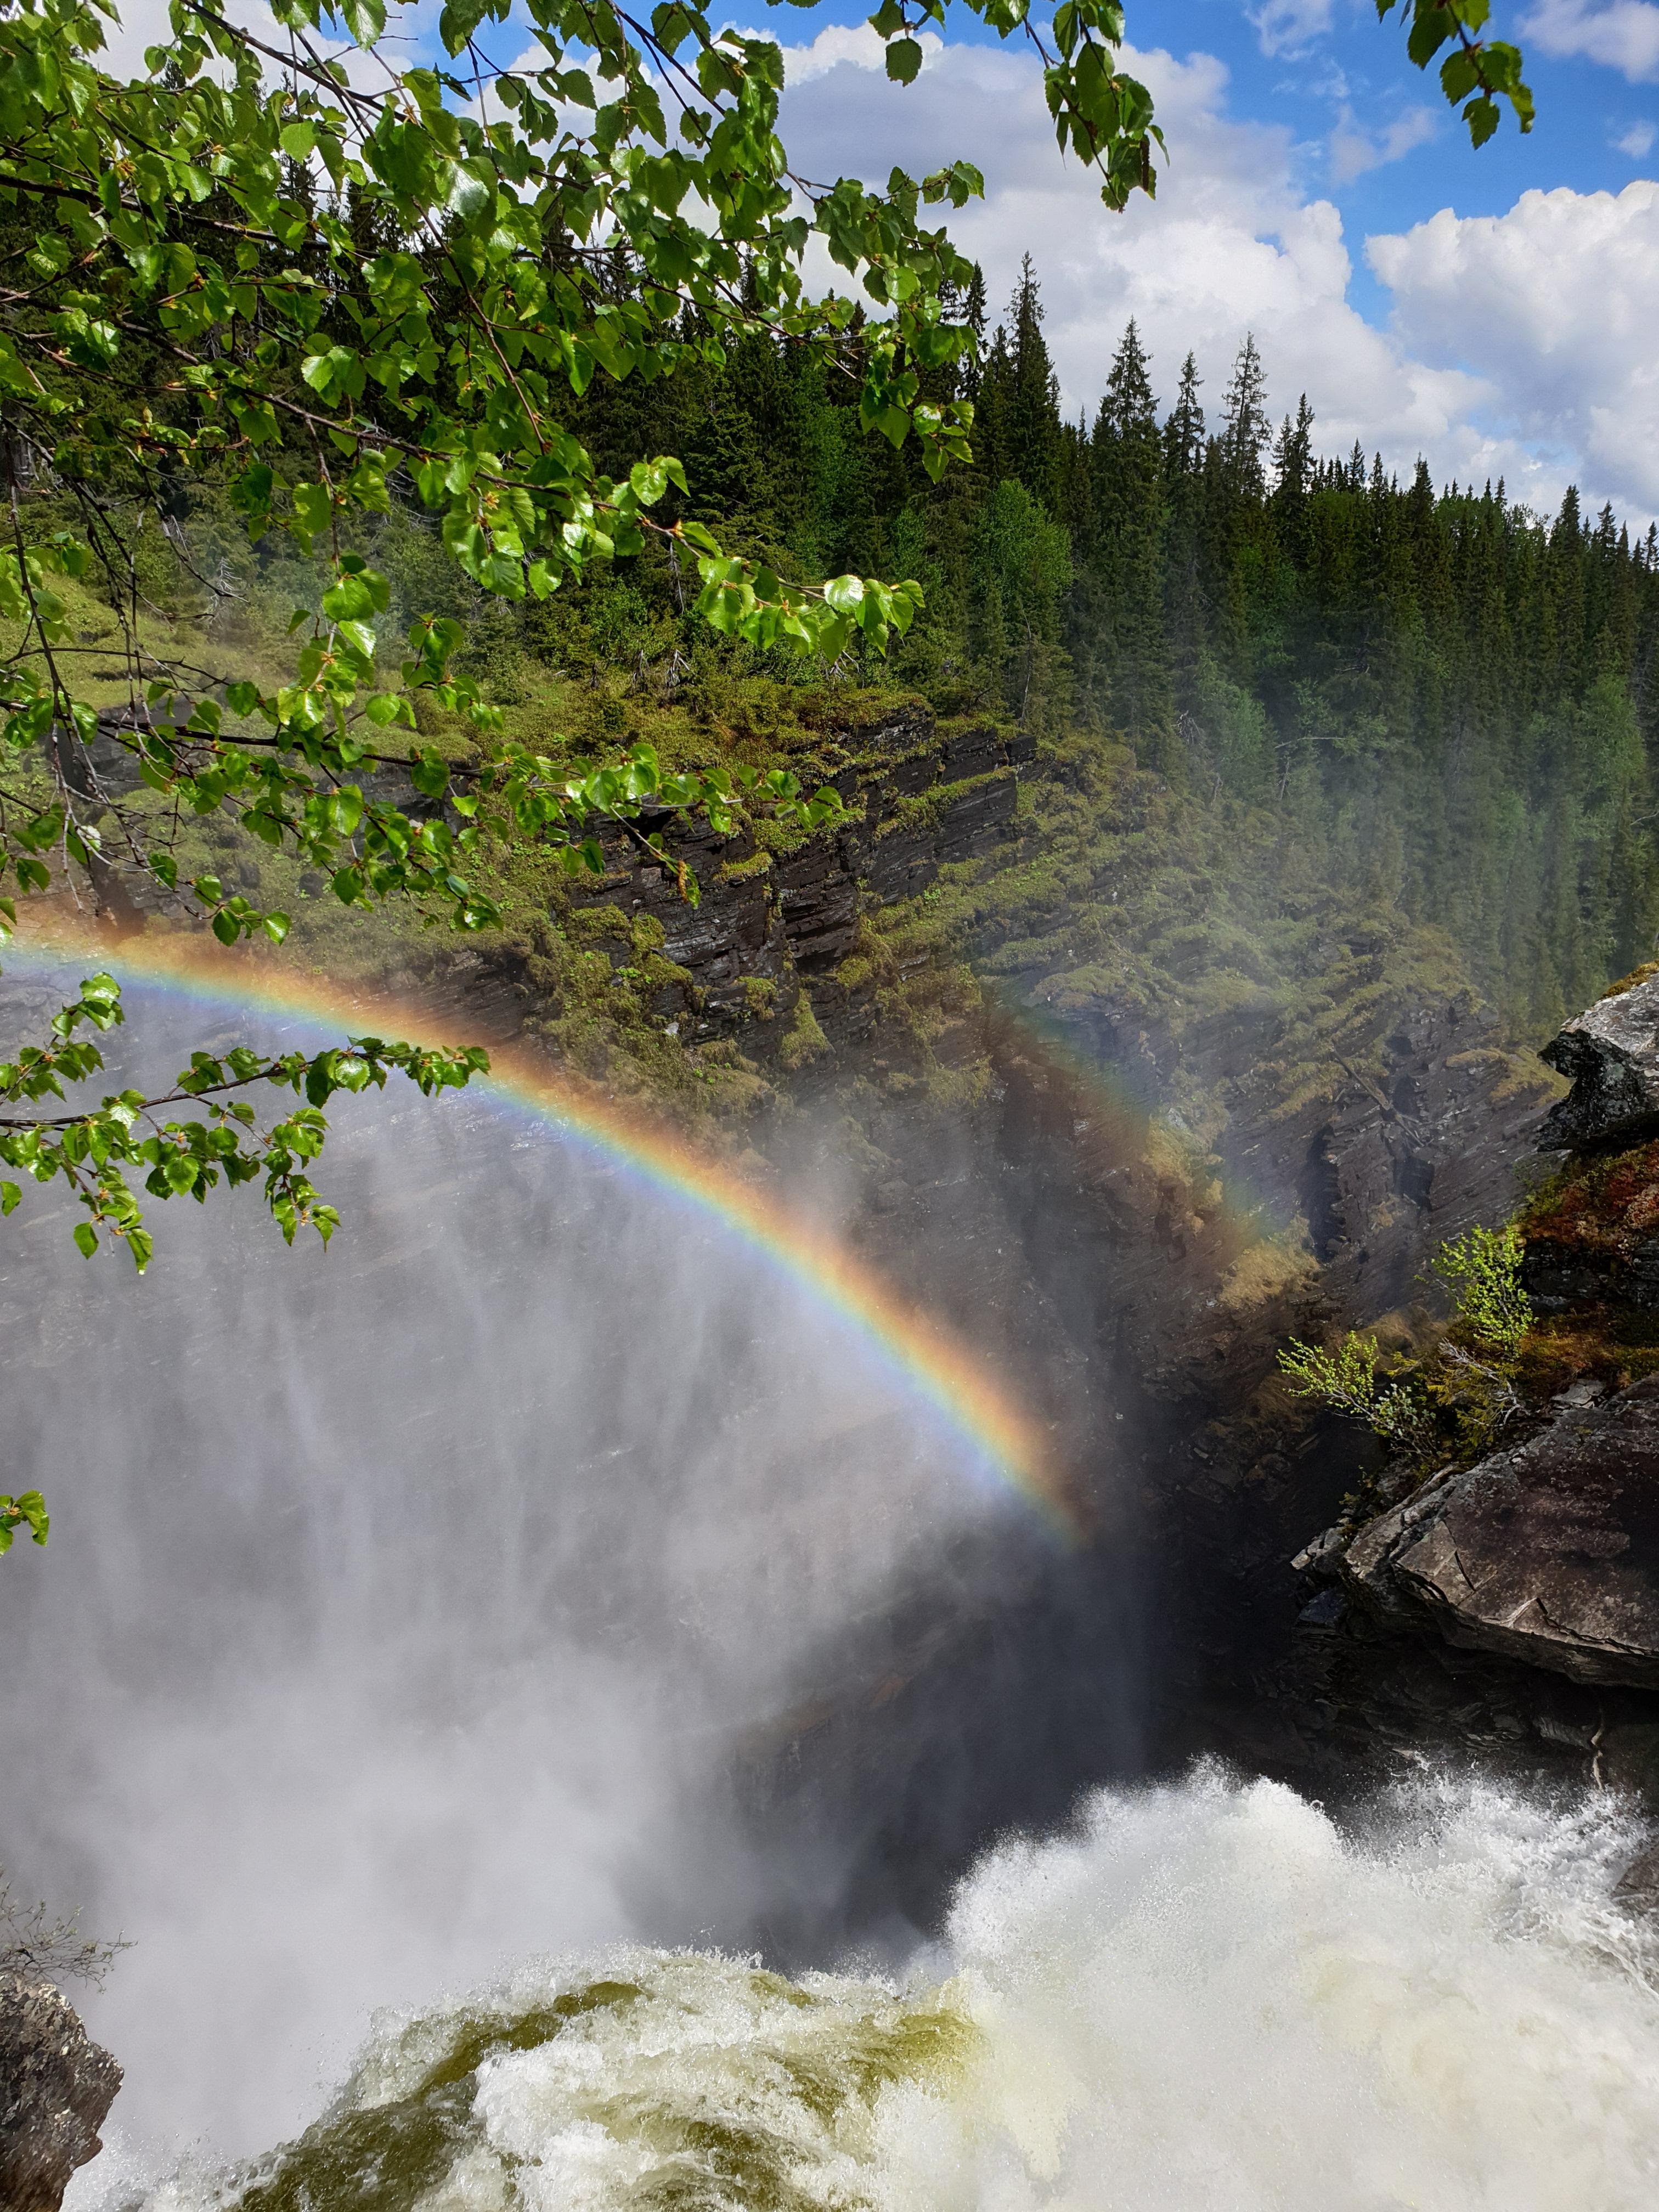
409	1606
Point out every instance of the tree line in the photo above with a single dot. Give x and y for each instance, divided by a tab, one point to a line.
1453	698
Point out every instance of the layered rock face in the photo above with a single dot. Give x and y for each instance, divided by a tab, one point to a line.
1070	1105
924	798
56	2087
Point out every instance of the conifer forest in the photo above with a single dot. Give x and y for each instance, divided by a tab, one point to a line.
1450	702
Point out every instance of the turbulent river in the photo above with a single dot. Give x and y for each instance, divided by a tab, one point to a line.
487	1668
1202	1998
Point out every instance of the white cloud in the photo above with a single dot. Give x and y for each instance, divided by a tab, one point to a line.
1231	245
1353	150
1525	344
1286	26
1623	35
144	23
1638	140
1556	304
843	42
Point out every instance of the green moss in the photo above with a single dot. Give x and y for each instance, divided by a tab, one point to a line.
385	2157
1597	1209
759	863
804	1040
922	811
1642	975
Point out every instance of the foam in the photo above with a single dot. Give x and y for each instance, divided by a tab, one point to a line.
1204	1998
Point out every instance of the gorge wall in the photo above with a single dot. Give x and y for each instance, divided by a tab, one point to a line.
1099	1088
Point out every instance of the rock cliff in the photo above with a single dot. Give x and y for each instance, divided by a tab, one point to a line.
1086	1072
56	2087
1541	1556
1547	1553
1097	1087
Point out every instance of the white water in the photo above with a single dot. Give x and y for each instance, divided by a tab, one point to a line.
1204	1999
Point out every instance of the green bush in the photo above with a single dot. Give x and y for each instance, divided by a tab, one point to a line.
1452	1404
1482	1268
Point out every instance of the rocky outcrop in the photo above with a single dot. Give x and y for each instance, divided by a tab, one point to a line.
1547	1553
921	797
56	2087
1610	1053
1543	1556
1382	1167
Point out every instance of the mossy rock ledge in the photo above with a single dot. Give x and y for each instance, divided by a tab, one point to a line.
1546	1551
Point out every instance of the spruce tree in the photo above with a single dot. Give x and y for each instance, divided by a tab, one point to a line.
1128	477
1033	433
1245	429
973	315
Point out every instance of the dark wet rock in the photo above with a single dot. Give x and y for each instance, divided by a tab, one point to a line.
1610	1053
56	2087
1381	1188
1639	1883
926	797
1547	1553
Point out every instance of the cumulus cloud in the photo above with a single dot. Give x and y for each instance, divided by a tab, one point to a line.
145	23
856	42
1525	344
1355	151
1623	35
1230	244
1518	345
1557	304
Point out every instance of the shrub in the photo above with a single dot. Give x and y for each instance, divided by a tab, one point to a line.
1453	1402
1483	1271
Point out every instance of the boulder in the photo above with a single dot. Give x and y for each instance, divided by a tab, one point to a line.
56	2086
1547	1553
1610	1054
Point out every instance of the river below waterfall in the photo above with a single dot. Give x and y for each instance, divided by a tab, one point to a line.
1202	1997
544	1647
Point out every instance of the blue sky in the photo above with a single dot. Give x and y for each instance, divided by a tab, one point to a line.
1316	69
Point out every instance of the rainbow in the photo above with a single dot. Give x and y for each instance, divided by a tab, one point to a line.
948	1374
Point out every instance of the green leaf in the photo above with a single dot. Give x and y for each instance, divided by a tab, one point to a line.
903	60
86	1238
365	19
10	1197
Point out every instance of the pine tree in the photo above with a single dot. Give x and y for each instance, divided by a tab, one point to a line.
1033	433
1128	477
973	315
1453	708
1245	429
1293	476
1183	434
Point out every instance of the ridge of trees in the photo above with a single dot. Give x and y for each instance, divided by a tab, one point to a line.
1458	698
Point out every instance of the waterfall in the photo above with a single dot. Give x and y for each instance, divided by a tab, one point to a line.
450	1594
